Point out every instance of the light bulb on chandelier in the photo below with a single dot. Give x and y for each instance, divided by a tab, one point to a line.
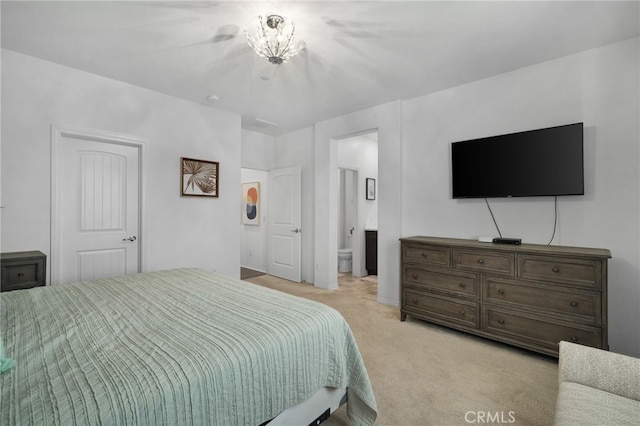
275	40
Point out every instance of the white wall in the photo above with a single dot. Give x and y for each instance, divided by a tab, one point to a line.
598	87
258	151
179	231
387	119
254	238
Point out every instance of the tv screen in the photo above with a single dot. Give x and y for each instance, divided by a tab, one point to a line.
543	162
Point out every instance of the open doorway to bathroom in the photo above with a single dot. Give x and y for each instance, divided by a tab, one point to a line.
358	214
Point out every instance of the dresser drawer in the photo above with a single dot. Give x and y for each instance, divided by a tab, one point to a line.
587	273
536	331
436	308
484	261
577	305
455	284
429	255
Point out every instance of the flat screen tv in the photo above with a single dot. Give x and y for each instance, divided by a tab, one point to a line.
535	163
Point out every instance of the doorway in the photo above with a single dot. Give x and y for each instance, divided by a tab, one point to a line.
357	161
96	205
253	232
271	241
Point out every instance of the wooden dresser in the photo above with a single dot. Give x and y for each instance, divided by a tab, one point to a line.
531	296
22	270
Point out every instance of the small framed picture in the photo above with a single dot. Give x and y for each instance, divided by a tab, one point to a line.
199	177
370	189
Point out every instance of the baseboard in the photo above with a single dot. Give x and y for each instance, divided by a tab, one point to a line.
388	302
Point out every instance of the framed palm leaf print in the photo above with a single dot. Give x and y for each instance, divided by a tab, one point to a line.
199	177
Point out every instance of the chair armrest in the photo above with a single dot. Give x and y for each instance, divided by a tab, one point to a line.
607	371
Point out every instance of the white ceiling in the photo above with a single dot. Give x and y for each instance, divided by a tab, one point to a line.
359	54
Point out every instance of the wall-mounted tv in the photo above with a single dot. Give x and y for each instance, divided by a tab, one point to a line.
542	162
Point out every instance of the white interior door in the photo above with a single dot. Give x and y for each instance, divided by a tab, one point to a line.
285	218
96	208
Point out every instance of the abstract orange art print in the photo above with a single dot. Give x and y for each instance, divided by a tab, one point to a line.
251	203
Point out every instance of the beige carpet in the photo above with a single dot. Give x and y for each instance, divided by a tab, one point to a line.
423	374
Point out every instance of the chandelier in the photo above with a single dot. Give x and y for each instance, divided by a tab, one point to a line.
275	40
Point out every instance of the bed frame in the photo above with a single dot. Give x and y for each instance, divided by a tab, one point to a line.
314	410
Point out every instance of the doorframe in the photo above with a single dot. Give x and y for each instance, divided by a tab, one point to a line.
245	230
357	264
332	273
59	132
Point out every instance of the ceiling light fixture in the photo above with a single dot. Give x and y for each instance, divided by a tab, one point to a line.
275	40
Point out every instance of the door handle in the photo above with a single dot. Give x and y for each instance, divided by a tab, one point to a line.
297	230
131	238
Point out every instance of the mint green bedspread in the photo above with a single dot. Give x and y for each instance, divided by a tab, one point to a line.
176	347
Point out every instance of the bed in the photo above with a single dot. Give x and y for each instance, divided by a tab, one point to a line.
175	347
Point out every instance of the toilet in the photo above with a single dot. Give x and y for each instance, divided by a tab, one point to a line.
344	260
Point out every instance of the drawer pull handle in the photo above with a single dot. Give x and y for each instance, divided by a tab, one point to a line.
556	269
481	261
424	254
574	304
461	313
500	321
414	276
461	285
574	339
501	291
20	274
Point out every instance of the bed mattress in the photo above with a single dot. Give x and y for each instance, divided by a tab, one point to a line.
173	347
